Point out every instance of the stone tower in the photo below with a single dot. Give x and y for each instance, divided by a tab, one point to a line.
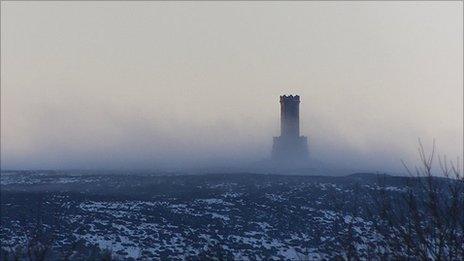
290	146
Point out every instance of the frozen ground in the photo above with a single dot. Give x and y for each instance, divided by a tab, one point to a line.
178	217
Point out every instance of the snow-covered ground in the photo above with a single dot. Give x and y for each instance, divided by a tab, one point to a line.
149	217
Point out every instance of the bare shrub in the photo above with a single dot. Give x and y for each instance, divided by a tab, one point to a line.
427	221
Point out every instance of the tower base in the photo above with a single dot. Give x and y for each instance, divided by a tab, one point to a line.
290	149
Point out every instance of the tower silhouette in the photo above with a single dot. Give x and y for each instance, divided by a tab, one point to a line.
290	146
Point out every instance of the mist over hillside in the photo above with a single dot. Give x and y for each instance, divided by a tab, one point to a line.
155	84
231	130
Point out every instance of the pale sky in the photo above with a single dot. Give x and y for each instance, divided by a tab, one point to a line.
139	84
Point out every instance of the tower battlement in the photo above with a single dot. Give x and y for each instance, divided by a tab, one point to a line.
289	98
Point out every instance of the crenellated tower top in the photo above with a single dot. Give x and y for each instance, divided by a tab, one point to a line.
289	98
